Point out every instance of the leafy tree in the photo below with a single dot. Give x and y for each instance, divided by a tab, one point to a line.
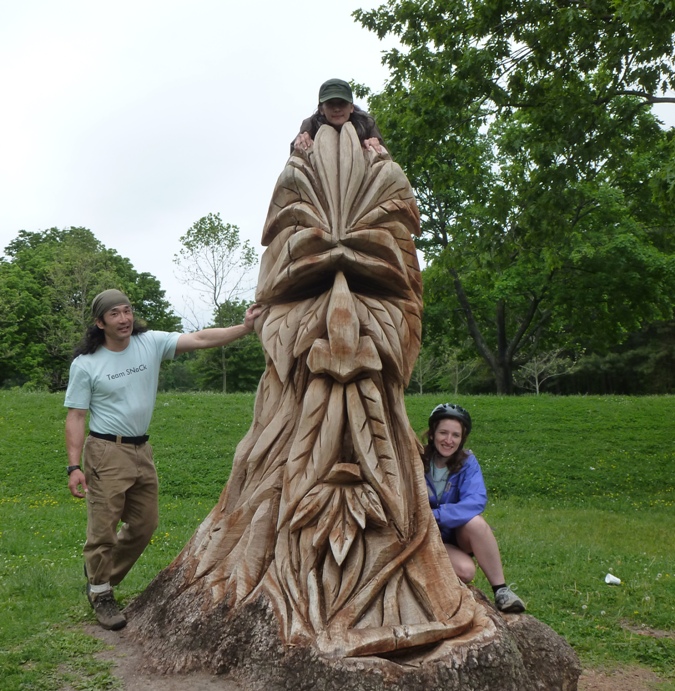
179	374
47	282
645	364
544	182
214	261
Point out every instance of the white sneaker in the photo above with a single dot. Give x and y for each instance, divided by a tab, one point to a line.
507	601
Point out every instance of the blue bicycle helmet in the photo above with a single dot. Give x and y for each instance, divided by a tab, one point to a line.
451	411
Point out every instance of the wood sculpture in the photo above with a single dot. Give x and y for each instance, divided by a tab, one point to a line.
326	511
325	520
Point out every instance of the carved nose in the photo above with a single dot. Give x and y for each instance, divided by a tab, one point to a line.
345	354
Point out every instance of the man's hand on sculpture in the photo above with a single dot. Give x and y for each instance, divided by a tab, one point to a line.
252	313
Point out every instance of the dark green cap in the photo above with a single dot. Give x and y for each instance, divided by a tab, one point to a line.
335	88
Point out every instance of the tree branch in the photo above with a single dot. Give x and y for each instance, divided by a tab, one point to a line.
649	98
471	323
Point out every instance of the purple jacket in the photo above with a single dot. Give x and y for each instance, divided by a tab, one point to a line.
464	497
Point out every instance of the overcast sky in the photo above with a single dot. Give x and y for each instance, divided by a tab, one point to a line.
135	118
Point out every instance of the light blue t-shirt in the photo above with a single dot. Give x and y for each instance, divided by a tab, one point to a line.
439	477
119	389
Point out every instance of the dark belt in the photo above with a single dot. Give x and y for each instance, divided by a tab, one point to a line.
136	441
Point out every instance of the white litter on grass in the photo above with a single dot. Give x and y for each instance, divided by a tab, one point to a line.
610	579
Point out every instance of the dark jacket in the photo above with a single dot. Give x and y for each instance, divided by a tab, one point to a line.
364	124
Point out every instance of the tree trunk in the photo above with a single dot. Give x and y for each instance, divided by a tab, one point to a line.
504	380
322	567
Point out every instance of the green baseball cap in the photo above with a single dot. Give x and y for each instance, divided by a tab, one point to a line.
335	88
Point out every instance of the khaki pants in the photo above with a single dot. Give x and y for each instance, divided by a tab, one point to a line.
122	487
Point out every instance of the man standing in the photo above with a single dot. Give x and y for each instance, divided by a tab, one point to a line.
114	377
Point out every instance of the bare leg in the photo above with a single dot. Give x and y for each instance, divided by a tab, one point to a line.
463	565
477	537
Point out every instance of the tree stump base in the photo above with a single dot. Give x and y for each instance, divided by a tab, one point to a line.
515	652
322	567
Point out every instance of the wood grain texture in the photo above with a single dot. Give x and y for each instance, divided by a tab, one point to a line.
331	519
326	513
321	566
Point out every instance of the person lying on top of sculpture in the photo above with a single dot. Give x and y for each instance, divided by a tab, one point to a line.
458	497
336	106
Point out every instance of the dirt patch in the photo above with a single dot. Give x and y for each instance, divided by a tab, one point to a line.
647	631
620	679
129	666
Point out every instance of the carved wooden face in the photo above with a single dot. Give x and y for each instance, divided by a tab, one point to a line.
336	111
341	267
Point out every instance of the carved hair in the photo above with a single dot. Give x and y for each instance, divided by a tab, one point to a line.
94	337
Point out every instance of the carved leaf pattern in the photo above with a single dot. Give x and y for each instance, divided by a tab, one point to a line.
389	334
296	193
386	182
378	470
311	505
355	507
381	434
328	519
287	577
390	351
372	505
300	474
327	514
339	582
352	170
279	333
387	247
408	321
339	513
325	450
250	570
312	325
344	531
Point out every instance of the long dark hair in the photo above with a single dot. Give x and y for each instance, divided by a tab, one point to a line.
362	121
94	337
457	460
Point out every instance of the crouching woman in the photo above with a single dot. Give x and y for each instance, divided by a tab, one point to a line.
458	497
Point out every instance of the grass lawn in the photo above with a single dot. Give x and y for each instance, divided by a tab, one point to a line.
579	487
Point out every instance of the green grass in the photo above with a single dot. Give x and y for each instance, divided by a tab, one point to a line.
579	486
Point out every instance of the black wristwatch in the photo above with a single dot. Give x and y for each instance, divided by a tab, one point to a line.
70	468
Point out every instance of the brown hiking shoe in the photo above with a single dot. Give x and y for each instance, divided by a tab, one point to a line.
106	610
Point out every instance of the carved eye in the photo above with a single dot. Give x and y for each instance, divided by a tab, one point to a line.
338	211
371	260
